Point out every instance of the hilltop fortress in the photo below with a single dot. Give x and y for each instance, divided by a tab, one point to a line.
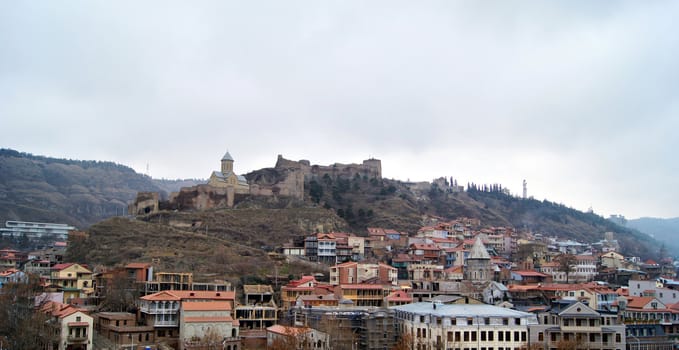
225	188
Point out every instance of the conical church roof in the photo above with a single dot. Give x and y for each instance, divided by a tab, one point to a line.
478	250
227	156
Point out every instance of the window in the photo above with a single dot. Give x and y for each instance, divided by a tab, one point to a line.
541	336
483	335
618	338
508	336
491	336
517	321
466	336
78	319
473	336
505	321
486	320
500	336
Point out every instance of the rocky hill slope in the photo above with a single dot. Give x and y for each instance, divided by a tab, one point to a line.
79	193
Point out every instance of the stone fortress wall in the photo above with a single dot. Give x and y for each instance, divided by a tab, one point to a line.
286	179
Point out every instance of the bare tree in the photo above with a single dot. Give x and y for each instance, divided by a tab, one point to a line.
566	263
22	324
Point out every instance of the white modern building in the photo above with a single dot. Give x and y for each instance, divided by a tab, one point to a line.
464	326
34	230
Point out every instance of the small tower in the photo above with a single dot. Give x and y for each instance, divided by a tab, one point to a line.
227	163
478	267
525	189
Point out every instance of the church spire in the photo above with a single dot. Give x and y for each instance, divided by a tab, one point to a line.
478	250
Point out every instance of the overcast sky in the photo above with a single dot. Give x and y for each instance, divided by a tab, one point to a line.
580	98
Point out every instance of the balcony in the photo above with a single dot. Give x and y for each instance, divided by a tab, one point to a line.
174	323
78	338
159	311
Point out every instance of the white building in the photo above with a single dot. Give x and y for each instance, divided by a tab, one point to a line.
33	230
464	326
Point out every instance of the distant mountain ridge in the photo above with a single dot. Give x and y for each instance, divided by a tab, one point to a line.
76	192
665	230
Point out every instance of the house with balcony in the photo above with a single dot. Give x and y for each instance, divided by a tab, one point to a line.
363	294
72	326
162	310
295	288
73	279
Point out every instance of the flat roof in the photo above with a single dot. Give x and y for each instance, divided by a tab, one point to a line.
460	310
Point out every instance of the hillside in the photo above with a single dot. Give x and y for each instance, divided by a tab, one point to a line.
216	255
665	230
80	193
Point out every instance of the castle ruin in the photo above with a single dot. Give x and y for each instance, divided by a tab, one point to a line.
225	188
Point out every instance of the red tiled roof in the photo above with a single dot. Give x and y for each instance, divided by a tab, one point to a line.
399	295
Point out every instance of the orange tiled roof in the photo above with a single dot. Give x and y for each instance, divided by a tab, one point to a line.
206	306
399	295
361	286
285	330
137	265
638	302
208	319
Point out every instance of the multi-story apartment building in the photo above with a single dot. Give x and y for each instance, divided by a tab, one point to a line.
463	326
121	329
665	290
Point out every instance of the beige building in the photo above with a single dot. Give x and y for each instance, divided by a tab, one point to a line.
207	324
74	280
74	328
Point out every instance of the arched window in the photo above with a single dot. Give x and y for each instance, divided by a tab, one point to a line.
233	332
